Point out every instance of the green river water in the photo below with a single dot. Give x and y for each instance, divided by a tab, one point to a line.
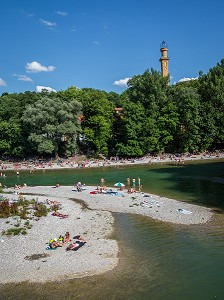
156	260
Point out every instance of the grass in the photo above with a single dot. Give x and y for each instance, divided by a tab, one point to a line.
22	208
22	211
14	231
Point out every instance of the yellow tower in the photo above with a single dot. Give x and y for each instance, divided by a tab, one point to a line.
164	59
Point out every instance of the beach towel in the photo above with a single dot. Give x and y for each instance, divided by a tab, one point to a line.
49	248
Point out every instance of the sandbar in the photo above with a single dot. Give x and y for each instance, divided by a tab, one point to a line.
94	221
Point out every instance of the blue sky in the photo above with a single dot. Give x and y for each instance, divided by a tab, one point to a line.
98	44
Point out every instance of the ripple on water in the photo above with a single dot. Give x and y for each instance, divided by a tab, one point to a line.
156	261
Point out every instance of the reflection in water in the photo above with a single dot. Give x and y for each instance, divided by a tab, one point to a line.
157	261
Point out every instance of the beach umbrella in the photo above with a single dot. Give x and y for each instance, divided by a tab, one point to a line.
119	184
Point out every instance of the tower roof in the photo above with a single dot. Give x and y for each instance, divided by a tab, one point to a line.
163	45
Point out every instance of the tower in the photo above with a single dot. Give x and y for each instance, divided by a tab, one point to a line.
164	59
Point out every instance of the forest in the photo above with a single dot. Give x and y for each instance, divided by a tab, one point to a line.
150	116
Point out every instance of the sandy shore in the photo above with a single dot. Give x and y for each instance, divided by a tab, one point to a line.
73	163
100	254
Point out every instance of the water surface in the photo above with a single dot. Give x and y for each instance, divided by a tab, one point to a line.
200	182
156	260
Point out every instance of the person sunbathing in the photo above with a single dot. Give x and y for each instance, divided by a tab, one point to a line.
80	241
55	244
75	246
80	238
58	214
67	237
51	202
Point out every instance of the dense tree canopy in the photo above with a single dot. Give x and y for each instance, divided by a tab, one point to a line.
53	125
97	124
152	117
211	88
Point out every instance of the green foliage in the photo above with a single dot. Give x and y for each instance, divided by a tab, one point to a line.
15	231
53	125
22	208
28	225
40	210
189	109
211	88
5	209
149	89
97	126
149	119
167	124
10	136
155	117
129	133
20	211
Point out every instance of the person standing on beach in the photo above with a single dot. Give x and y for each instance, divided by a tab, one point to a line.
128	181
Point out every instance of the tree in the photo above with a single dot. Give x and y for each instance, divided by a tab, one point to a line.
11	110
10	136
211	89
150	90
97	125
12	105
129	132
168	124
188	136
53	125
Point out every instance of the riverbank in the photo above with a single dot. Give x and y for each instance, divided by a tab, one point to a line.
82	162
100	253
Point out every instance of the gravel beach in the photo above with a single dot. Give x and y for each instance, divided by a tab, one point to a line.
25	257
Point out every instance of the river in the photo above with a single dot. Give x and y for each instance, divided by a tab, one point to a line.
156	260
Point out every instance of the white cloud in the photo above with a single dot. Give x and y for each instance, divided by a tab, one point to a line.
35	67
187	79
2	82
40	88
96	42
62	13
48	23
23	77
122	82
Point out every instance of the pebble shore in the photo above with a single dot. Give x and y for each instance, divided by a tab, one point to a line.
95	223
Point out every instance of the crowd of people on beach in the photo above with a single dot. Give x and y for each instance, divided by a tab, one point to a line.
78	242
82	162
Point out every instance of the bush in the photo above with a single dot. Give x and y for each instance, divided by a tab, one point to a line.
5	209
40	210
15	231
